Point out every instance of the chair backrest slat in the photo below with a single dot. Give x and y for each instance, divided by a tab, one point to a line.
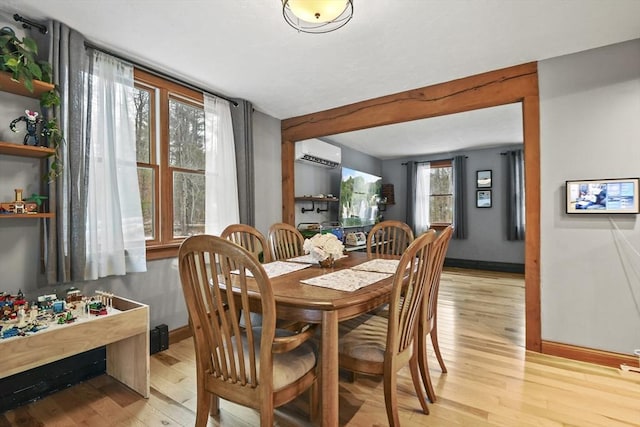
409	284
249	238
389	238
440	247
285	241
215	278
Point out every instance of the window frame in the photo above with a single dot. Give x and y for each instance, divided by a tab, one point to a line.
436	165
164	245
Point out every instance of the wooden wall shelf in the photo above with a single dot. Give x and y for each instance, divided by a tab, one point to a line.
25	150
12	86
316	199
36	215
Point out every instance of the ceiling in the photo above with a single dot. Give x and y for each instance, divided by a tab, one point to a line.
244	49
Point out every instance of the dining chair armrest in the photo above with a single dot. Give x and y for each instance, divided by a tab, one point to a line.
284	344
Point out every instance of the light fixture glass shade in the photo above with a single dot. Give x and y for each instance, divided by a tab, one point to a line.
317	16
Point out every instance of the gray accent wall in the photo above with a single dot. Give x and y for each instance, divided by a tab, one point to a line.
487	238
160	286
590	265
268	172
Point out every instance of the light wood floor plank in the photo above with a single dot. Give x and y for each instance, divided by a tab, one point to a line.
492	380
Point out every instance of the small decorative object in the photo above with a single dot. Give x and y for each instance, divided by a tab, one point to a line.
324	248
483	179
32	121
37	199
483	198
18	204
327	262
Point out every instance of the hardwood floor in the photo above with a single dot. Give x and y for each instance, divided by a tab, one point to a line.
492	380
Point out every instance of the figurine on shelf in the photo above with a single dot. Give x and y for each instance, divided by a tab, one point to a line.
19	206
32	121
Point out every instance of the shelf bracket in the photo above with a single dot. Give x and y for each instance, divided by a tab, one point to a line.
313	206
323	210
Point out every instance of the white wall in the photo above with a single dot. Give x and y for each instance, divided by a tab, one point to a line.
590	128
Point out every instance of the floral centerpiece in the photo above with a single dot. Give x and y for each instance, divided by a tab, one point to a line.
326	248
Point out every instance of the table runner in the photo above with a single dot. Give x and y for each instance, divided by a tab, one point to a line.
346	280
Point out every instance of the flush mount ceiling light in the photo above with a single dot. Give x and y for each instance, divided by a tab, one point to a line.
317	16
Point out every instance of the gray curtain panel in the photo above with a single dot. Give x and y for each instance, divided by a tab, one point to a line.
515	195
411	194
65	235
460	197
242	118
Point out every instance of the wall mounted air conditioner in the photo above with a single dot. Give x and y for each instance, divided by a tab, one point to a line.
318	153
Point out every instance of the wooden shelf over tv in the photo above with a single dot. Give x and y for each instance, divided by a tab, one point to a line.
12	86
25	150
316	199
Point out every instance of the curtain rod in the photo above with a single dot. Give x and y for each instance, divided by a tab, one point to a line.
28	23
430	161
157	73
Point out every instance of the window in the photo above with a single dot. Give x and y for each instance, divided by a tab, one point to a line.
434	195
170	143
441	193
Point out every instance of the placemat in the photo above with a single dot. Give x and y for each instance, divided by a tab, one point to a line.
278	268
346	280
379	265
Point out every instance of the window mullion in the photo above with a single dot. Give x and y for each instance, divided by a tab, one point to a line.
166	194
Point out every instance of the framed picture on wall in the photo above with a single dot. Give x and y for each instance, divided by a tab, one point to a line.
483	179
483	198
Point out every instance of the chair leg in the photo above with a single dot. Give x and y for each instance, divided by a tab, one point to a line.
423	364
415	376
204	399
314	401
266	417
215	405
203	407
391	398
436	347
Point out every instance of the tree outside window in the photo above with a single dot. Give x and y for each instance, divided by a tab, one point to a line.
441	193
170	142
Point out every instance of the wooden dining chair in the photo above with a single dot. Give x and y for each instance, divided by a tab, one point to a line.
428	318
373	344
389	238
258	367
253	241
249	238
285	241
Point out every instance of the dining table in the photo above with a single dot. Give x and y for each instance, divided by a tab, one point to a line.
296	300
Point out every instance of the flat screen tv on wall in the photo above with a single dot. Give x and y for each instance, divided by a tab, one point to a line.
360	193
603	196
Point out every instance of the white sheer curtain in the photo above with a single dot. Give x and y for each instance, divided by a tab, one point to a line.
423	189
221	179
115	241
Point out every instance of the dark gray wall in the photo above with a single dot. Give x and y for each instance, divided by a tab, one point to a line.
486	226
